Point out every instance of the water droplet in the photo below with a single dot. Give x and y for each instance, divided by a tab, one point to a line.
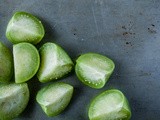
39	21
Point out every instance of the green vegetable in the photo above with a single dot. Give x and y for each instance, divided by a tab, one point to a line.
13	100
94	69
24	27
54	98
6	64
26	61
110	105
55	63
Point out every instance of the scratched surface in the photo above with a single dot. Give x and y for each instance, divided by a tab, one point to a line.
127	31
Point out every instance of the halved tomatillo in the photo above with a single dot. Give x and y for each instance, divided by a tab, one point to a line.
26	61
110	105
54	98
24	27
94	69
13	100
55	63
6	64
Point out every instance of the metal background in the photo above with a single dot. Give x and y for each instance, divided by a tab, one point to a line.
127	31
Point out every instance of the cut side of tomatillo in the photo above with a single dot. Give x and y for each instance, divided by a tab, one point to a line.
110	105
13	100
94	69
6	64
55	63
26	61
54	98
24	27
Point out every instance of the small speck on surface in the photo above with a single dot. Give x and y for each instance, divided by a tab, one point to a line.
151	30
124	27
125	33
129	43
153	25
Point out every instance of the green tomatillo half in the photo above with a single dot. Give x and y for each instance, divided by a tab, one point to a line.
26	61
6	64
24	27
54	98
55	63
13	100
94	69
110	105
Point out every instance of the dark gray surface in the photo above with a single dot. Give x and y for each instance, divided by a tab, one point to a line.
127	31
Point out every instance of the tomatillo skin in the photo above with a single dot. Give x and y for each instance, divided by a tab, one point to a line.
13	100
6	64
110	105
24	27
94	69
54	98
26	61
55	63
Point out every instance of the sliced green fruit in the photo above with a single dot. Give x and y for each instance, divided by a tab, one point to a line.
24	27
94	69
110	105
54	98
55	63
13	100
26	61
6	64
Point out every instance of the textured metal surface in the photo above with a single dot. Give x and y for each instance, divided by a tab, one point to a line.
128	31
